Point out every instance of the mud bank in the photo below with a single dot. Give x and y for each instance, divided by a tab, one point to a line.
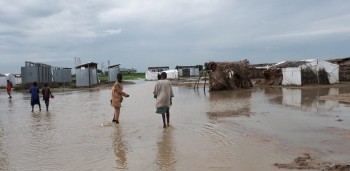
340	97
306	162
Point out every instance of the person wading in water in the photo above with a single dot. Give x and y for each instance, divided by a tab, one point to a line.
163	92
117	97
47	94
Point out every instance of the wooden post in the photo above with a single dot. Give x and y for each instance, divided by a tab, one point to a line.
205	79
197	82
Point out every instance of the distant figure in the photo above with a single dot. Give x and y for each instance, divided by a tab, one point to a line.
117	97
159	77
34	91
9	88
163	92
47	94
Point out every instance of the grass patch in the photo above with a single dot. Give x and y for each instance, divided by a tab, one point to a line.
132	76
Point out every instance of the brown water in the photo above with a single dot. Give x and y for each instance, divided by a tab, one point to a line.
231	130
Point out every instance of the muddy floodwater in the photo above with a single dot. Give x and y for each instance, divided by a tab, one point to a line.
229	130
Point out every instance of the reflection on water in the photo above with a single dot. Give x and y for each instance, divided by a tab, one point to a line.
229	104
165	158
304	99
41	140
230	130
120	149
3	154
10	104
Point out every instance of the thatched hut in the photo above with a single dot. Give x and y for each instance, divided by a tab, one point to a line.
229	75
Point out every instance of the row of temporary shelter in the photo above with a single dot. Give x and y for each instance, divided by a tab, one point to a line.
344	68
38	72
182	71
232	75
86	74
312	71
14	78
41	73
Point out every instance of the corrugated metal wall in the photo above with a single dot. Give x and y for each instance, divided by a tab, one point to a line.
62	75
40	74
86	77
112	73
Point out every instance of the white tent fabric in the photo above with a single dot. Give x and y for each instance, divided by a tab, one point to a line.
171	74
292	75
331	69
3	81
293	98
151	75
12	77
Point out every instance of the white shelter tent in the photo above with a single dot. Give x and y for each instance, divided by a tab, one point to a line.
14	78
171	74
151	75
293	75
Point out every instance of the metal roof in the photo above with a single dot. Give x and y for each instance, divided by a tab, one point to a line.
90	64
112	66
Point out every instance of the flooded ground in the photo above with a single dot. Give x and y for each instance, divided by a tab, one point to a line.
231	130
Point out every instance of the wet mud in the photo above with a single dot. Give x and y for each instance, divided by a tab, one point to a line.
229	130
306	162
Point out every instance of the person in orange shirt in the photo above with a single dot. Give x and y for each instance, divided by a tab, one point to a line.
117	97
9	88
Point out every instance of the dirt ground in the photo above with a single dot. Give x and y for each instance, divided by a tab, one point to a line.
307	162
340	97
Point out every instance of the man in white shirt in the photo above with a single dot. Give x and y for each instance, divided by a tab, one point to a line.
163	92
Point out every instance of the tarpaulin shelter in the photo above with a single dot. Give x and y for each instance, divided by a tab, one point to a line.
344	68
14	78
312	71
171	74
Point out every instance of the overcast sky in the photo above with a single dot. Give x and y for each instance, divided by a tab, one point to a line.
140	34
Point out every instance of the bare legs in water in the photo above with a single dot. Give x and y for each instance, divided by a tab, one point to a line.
167	114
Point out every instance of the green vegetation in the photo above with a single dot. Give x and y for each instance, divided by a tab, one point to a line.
134	76
103	78
126	76
74	77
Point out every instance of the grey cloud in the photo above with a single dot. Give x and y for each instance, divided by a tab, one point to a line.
142	33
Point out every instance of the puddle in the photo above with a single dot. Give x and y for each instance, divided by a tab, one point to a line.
234	130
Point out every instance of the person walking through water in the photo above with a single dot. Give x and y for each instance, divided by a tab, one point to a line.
117	97
34	91
47	94
9	88
163	92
